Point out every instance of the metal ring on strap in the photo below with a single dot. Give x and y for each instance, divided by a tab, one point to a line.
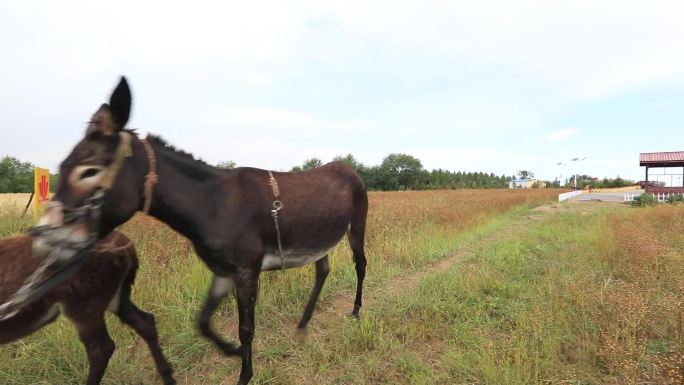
277	206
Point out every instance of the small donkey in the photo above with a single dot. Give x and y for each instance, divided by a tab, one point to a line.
102	284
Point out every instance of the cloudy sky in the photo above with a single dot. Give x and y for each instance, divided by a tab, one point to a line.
493	86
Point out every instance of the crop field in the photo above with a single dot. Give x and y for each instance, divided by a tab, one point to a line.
10	200
463	287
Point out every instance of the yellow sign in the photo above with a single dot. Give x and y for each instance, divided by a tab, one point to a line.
41	188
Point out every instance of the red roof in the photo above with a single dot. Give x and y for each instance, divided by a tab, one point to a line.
661	157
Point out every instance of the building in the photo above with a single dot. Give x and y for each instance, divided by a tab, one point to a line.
526	183
669	181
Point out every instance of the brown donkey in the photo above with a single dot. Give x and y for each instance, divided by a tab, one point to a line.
102	283
226	214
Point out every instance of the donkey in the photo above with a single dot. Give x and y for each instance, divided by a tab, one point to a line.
227	215
102	283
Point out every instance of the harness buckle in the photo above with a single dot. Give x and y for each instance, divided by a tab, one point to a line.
277	206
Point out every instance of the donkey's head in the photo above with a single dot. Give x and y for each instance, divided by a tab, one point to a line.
107	160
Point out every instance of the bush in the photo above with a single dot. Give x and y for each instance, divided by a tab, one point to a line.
674	198
644	200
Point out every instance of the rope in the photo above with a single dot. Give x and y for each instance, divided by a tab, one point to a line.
277	206
123	151
28	204
151	178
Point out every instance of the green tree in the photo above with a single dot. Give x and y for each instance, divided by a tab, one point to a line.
54	182
525	174
372	178
401	171
308	165
15	176
226	165
311	164
350	160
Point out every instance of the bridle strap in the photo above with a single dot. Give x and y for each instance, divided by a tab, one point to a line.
123	151
274	185
43	279
151	178
277	206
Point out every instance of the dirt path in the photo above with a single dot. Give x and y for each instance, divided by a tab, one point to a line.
327	317
342	304
326	320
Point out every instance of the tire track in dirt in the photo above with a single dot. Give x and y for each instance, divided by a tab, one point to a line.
328	316
343	303
326	320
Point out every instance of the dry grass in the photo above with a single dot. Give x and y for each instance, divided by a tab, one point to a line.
577	297
641	309
14	199
571	294
406	232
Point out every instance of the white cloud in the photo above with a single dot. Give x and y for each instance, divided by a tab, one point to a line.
667	104
281	122
193	62
585	49
472	158
560	135
268	152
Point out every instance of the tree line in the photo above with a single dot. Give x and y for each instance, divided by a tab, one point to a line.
396	172
584	181
16	176
405	172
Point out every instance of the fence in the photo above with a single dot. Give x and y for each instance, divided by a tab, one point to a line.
565	196
616	189
660	197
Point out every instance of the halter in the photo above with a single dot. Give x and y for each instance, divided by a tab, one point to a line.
151	178
124	150
56	267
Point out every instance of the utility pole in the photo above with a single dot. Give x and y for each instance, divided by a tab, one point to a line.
576	160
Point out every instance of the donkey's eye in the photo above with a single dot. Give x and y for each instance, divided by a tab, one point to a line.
90	172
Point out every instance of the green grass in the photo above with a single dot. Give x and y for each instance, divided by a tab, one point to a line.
524	310
528	298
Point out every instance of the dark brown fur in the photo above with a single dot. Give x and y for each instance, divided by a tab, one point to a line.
227	216
83	299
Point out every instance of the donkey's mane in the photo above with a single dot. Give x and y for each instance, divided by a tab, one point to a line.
158	140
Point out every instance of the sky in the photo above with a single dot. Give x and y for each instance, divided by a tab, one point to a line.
493	86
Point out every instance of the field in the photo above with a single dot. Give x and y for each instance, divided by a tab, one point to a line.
9	200
463	287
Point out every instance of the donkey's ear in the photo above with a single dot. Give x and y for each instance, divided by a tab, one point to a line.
120	104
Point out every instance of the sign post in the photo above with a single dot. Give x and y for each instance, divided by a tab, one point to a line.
41	189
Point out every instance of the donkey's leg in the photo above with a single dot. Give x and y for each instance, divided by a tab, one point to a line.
322	270
357	231
99	346
143	323
360	264
247	287
220	287
87	315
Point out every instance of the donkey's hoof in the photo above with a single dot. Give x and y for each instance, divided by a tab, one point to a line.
301	334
